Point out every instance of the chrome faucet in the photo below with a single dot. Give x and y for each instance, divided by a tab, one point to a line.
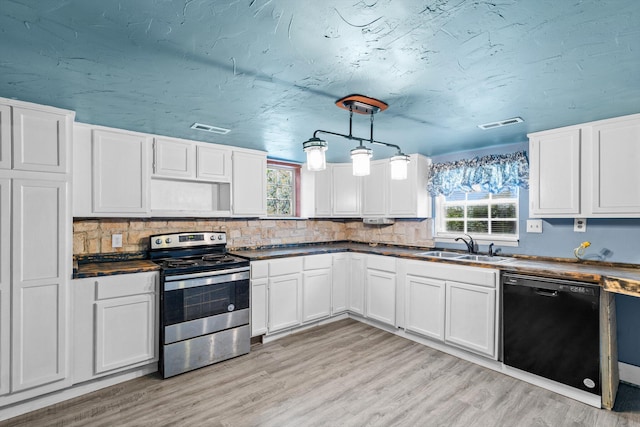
471	245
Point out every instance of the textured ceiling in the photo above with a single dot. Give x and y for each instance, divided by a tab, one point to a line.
270	70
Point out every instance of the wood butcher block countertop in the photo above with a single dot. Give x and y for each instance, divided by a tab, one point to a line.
613	277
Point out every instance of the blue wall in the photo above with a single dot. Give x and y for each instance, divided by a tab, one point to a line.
619	239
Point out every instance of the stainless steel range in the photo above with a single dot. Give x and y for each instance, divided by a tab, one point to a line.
204	302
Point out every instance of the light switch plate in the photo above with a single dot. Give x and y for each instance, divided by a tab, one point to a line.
534	226
116	240
580	225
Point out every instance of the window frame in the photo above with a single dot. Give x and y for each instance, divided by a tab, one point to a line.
295	167
481	238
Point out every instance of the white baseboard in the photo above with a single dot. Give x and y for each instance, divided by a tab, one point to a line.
74	391
629	373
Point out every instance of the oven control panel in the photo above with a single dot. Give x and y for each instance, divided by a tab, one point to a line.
185	240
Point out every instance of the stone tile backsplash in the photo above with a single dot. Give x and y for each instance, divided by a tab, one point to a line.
93	236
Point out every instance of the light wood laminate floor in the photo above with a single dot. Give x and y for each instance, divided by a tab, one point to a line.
342	374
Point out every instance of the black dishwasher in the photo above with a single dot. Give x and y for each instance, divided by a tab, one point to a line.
551	329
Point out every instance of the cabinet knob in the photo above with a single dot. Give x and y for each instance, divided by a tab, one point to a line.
158	241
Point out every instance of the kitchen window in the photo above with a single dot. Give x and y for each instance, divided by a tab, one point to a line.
283	189
485	216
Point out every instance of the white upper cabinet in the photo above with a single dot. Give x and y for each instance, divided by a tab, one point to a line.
375	189
183	159
555	173
587	170
5	137
340	194
323	192
346	190
213	163
409	198
120	172
5	284
34	137
616	156
174	158
249	183
40	140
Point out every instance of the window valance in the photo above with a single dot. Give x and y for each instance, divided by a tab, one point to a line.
493	173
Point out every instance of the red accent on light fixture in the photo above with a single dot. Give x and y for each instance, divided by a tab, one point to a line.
361	104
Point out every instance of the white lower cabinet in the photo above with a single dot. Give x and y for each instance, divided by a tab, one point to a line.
316	287
259	306
339	282
453	303
380	292
425	307
116	325
471	317
356	283
284	301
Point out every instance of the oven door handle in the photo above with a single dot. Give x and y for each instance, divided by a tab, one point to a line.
171	284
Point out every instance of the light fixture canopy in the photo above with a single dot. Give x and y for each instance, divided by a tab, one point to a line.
315	148
361	155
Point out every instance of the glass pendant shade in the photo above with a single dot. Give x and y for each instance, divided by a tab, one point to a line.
399	166
360	156
315	148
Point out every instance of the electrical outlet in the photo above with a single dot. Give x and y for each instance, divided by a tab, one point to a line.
580	225
534	226
116	240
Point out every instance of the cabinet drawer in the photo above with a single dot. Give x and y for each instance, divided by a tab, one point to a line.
285	266
382	263
314	262
122	285
259	269
457	273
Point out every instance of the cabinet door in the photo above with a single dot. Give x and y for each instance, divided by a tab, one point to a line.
381	296
555	174
339	283
39	293
120	172
374	189
40	140
249	184
258	306
175	159
356	284
323	192
425	299
409	198
316	294
214	163
284	301
5	284
346	190
5	137
125	331
615	178
470	317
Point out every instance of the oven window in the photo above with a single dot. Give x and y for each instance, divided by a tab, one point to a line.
182	305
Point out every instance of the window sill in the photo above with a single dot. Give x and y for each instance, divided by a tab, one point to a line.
480	240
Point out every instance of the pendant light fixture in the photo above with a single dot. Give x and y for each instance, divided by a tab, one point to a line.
361	155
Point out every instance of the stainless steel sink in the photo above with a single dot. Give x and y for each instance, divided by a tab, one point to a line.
440	254
483	258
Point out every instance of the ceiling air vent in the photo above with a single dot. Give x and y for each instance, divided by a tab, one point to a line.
209	128
501	123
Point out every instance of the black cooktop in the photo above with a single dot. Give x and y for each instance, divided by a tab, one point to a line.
201	263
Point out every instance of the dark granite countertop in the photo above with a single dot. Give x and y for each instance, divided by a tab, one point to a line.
613	277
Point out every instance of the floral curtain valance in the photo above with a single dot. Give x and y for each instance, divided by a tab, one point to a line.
493	173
